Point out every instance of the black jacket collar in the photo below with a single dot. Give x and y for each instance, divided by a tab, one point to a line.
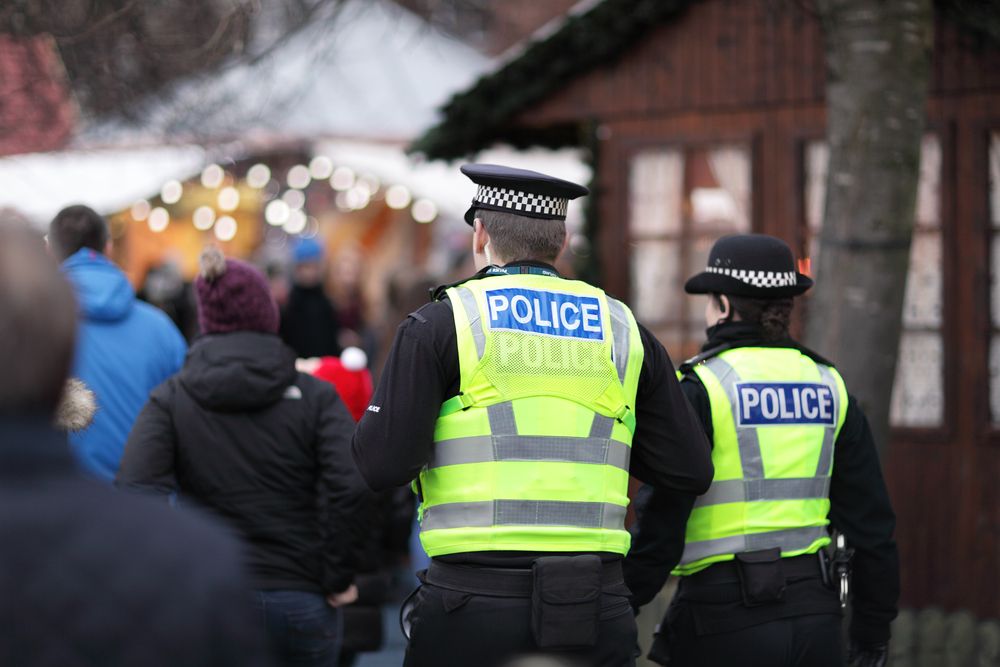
438	293
29	445
730	335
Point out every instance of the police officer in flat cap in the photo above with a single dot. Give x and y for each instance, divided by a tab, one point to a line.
794	458
518	402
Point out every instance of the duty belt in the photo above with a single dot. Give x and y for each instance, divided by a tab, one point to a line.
720	582
508	582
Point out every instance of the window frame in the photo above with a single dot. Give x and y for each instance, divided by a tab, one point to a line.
983	232
633	147
946	430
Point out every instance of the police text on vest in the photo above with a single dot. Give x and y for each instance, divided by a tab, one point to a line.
545	312
785	403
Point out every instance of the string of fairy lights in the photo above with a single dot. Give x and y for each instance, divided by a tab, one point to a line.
285	206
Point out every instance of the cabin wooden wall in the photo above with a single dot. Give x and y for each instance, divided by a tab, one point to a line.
753	71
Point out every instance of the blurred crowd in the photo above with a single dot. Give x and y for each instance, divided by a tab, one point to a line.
179	487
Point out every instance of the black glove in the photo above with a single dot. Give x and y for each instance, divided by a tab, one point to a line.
875	655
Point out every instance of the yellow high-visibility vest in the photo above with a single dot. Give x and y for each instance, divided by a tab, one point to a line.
533	453
776	415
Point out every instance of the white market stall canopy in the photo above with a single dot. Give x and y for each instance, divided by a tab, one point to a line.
365	69
38	185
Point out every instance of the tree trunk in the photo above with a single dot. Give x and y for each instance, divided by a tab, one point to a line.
878	62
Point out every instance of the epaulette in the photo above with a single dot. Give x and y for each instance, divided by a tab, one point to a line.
689	365
438	293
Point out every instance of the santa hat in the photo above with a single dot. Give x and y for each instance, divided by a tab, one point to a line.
348	374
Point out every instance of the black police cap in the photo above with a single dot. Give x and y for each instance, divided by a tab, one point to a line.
751	265
520	191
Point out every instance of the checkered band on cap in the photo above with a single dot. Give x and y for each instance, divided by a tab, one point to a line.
525	202
758	278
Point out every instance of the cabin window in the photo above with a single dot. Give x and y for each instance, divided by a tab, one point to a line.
995	278
681	199
918	390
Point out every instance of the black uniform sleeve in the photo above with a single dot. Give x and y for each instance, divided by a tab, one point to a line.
147	464
669	447
341	496
860	509
395	436
661	518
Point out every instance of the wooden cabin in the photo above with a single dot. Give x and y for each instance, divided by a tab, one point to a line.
706	118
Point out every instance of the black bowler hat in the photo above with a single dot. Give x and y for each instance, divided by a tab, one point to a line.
751	265
520	191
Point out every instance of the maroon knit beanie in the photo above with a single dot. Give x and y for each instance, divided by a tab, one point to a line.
233	296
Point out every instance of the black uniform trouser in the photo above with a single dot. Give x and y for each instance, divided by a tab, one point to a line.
811	640
456	629
718	617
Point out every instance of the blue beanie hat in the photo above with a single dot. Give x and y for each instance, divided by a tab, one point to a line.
307	250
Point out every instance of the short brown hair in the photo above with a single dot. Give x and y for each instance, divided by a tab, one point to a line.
77	227
516	237
37	323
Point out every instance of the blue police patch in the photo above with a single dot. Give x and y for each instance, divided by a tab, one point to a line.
785	403
544	312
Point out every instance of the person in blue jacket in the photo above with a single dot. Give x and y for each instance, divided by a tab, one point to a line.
124	348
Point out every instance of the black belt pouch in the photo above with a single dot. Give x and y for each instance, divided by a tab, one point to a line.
566	601
762	578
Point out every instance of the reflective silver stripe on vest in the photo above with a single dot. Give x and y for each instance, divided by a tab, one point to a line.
824	467
502	420
792	539
524	513
602	426
748	490
475	318
485	448
621	332
750	458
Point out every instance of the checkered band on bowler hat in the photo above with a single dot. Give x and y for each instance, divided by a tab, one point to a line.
523	202
751	265
520	191
758	278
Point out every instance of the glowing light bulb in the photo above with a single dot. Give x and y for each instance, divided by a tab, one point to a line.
295	199
203	217
229	198
276	212
321	167
424	211
342	179
296	223
298	177
140	210
398	197
258	175
171	192
225	228
158	219
212	176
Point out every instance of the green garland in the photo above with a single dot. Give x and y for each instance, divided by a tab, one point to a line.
476	118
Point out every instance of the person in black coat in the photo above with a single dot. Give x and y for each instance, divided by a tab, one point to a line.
242	434
89	576
310	324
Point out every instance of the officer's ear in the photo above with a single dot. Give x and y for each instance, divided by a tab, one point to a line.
725	307
480	237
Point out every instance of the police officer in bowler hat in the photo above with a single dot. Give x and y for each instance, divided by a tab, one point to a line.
517	403
794	458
